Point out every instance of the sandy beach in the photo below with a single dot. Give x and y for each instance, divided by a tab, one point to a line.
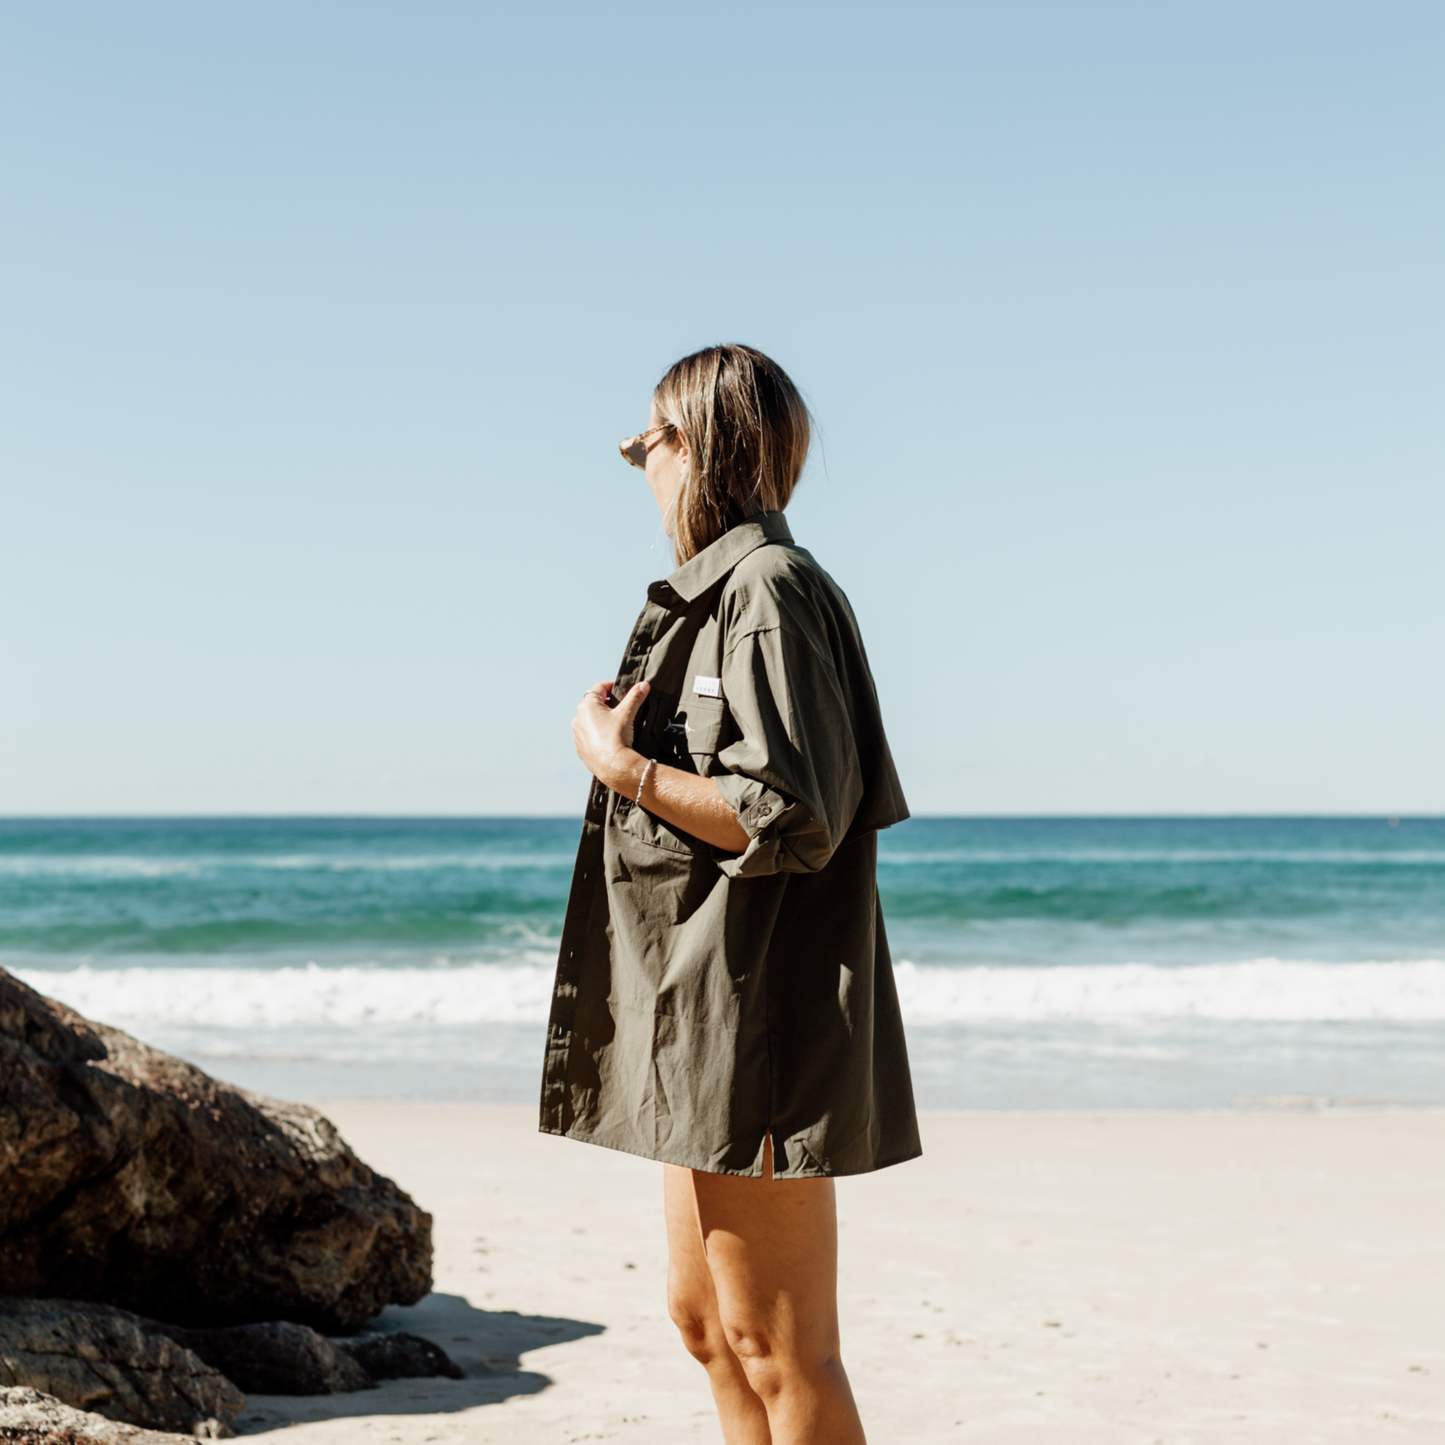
1154	1277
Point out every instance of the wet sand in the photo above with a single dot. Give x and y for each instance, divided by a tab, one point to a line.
1085	1279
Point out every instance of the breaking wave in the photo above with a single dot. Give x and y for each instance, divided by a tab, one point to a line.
357	997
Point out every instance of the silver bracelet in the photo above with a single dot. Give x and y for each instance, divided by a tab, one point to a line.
647	767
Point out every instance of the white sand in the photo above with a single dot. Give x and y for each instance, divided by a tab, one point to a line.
1182	1278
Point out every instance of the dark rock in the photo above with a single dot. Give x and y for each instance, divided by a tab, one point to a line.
281	1358
388	1355
109	1361
129	1177
29	1417
277	1358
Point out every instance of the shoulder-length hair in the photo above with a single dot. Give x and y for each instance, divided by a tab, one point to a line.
747	431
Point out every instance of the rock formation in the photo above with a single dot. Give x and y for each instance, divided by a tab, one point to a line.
30	1417
287	1359
394	1355
132	1178
278	1358
140	1372
106	1360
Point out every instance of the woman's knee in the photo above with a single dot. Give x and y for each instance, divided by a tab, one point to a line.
697	1323
774	1359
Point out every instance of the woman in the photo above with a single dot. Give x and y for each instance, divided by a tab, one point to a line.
724	999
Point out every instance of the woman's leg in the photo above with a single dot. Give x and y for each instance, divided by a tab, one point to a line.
771	1250
692	1303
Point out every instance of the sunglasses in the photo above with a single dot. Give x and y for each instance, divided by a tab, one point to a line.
635	449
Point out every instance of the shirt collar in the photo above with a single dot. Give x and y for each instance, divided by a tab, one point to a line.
713	563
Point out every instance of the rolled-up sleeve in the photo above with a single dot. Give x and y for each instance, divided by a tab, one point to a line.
793	773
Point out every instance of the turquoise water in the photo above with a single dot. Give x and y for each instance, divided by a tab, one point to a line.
1042	963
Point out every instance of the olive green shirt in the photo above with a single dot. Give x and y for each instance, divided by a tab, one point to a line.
705	999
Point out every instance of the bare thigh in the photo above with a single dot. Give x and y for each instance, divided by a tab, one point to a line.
692	1299
762	1256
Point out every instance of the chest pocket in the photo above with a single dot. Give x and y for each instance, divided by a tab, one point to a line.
698	730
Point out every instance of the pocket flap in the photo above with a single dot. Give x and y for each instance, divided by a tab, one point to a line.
703	718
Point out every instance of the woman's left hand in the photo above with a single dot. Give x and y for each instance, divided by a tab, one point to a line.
604	734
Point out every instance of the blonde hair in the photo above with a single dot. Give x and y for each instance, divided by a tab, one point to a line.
747	431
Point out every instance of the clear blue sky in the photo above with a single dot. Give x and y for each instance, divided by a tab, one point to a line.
319	324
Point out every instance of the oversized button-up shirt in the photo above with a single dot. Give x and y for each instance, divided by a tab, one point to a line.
705	1000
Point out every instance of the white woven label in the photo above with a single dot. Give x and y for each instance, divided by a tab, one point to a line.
707	686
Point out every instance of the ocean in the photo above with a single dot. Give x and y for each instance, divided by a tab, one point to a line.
1041	963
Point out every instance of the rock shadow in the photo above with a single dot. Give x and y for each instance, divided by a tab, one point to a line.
487	1344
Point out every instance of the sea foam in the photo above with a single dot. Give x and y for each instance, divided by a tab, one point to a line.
356	997
1260	990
